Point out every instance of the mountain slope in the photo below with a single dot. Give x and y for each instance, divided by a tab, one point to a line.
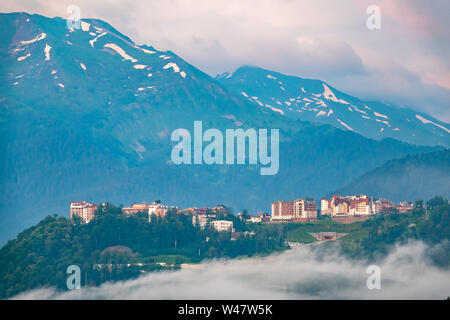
314	100
419	176
86	114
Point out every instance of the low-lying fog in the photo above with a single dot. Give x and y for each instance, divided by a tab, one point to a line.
301	273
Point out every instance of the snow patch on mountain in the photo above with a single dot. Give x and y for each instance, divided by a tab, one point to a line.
148	51
426	121
95	39
380	115
120	51
47	52
140	66
329	95
275	109
345	125
321	113
23	57
39	37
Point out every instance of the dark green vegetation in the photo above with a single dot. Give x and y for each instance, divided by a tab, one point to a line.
375	237
114	246
101	138
301	232
428	222
411	177
130	245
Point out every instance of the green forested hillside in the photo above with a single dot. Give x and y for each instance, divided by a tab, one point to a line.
40	255
374	238
114	246
409	178
428	222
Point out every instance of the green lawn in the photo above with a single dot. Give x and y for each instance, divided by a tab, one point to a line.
299	232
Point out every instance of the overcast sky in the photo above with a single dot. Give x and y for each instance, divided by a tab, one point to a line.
406	62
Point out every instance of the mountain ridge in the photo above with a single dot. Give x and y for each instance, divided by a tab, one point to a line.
317	101
91	117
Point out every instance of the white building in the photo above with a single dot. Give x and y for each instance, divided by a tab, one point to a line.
255	219
222	225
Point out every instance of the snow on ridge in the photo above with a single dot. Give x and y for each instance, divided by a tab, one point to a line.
47	52
82	66
148	51
244	94
120	51
23	57
330	112
172	65
95	39
426	121
329	95
380	115
175	68
39	37
345	125
271	77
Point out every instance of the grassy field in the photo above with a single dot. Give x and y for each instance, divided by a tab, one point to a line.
299	232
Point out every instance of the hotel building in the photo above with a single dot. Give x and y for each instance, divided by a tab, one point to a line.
83	209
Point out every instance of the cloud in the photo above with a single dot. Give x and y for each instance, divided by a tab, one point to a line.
313	39
302	273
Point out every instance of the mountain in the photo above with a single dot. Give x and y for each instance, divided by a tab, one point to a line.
86	114
317	101
419	176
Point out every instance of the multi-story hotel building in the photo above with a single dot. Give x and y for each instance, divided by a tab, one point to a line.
282	210
297	210
158	209
357	205
136	207
310	210
83	209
